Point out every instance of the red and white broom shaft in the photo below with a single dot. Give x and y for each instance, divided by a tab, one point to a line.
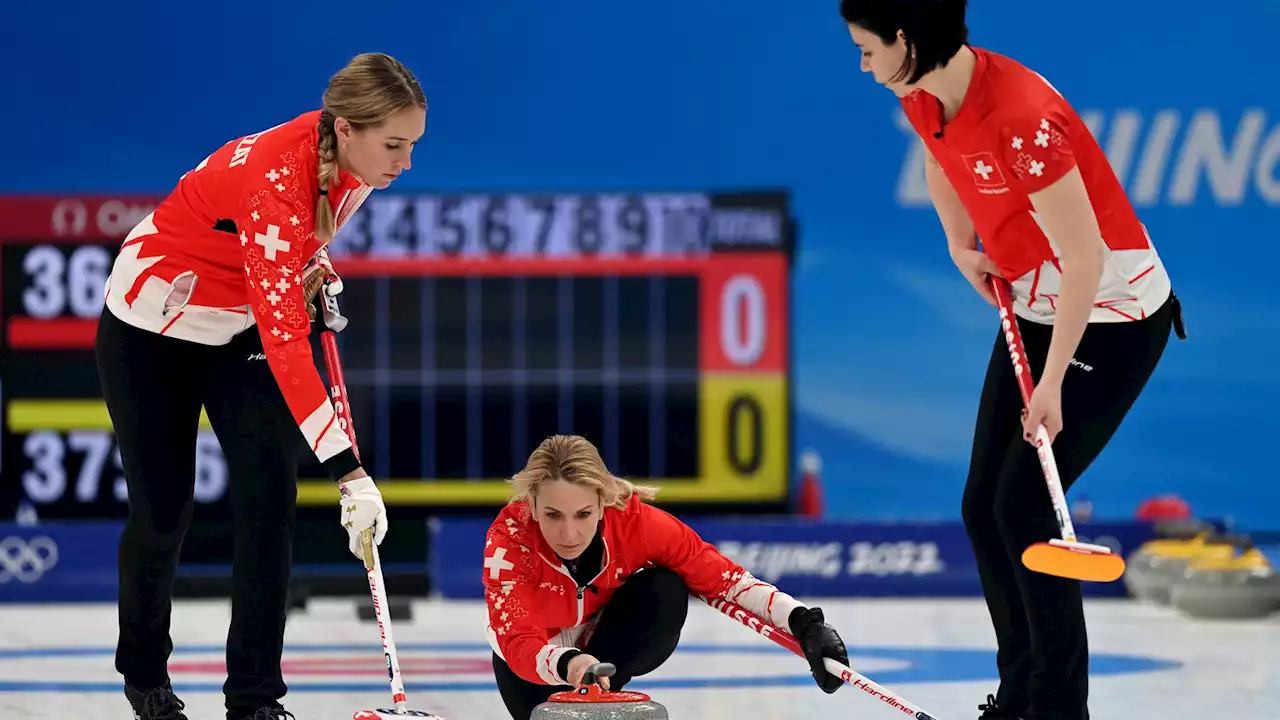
338	386
373	565
844	672
1022	372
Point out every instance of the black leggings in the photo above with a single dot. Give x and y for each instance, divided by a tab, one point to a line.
638	630
154	387
1043	655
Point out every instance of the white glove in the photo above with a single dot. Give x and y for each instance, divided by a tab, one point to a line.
320	264
362	508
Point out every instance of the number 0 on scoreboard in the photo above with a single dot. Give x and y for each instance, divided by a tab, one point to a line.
743	391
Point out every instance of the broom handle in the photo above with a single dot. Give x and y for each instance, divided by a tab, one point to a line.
787	640
372	563
1022	371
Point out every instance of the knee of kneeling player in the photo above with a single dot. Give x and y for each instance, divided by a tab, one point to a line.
662	593
641	626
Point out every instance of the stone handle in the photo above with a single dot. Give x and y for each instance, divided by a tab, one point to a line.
598	670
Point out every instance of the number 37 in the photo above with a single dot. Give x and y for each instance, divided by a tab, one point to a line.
55	458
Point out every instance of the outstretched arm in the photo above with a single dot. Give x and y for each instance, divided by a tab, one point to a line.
273	237
676	546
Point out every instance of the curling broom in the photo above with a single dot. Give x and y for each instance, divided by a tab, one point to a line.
1066	556
335	322
840	670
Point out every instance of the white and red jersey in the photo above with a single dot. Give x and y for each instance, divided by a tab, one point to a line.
1015	135
226	250
538	612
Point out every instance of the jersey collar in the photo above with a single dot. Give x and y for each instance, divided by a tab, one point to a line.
346	181
933	106
345	196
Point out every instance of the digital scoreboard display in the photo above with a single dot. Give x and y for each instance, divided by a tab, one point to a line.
655	325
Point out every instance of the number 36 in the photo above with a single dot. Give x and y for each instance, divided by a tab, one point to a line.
60	284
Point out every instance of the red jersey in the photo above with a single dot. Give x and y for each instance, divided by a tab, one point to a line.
226	250
1015	135
537	611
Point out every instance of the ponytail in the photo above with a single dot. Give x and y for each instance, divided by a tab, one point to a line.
328	174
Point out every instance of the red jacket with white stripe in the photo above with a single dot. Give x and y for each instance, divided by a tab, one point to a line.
227	249
537	612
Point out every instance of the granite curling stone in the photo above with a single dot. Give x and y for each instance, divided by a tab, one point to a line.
590	702
1245	587
1152	568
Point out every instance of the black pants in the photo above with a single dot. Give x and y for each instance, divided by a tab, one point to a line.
154	387
638	630
1043	655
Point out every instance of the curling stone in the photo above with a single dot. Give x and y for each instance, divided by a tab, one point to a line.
400	608
1243	587
1151	568
590	702
1181	528
1163	507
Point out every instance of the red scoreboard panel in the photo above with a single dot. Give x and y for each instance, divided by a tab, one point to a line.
656	325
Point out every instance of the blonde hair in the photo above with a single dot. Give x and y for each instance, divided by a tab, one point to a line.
371	88
574	459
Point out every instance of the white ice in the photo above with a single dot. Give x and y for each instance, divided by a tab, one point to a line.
1226	669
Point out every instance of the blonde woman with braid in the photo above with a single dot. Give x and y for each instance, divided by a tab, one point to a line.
240	242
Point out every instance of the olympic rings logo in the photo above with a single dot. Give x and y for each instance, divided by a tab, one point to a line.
26	560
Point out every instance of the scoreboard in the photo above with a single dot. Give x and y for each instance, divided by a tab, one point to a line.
656	325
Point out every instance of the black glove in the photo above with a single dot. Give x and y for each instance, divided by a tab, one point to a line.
818	640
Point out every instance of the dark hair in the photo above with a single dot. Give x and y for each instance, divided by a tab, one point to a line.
934	29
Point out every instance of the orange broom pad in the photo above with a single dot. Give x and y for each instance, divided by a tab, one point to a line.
1077	561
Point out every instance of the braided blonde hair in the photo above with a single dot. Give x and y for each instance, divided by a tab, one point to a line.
371	88
574	459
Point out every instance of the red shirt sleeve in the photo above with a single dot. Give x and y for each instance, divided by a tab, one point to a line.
1036	147
510	587
274	234
677	547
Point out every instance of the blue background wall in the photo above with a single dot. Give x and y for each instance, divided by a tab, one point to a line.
890	341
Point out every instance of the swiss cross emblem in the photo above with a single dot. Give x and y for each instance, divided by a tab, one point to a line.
497	563
986	172
271	242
